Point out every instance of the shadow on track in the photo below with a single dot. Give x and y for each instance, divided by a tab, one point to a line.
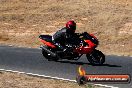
83	63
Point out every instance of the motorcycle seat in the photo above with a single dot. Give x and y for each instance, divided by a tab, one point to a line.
47	38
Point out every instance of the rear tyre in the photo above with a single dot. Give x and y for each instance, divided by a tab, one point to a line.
48	56
96	58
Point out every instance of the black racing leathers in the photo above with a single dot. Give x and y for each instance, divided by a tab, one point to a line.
64	37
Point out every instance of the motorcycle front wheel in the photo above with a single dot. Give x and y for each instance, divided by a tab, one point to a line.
96	57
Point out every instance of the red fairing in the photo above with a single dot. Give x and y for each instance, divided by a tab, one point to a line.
93	36
47	43
86	49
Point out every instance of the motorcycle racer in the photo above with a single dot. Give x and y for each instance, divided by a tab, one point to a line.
55	47
65	36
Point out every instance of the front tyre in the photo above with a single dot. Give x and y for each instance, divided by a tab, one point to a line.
96	57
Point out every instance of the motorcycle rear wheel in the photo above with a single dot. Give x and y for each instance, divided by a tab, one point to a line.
48	56
96	58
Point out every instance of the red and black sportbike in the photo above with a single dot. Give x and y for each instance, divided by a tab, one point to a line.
87	45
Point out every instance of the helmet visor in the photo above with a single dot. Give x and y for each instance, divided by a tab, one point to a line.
72	27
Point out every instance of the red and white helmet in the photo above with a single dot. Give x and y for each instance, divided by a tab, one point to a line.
71	26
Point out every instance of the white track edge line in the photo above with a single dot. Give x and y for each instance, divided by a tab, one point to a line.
105	86
53	77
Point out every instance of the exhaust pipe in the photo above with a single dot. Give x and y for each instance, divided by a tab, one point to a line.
50	52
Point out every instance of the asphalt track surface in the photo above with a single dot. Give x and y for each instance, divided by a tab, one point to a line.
31	61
